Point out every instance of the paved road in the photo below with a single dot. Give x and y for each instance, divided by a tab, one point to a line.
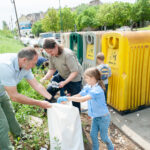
135	125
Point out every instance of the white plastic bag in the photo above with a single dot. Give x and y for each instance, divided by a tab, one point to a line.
65	127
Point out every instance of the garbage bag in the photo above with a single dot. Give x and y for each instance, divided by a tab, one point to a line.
65	127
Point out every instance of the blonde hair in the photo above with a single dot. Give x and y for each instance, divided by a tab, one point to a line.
94	72
100	56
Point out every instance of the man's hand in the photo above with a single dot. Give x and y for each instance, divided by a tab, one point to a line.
42	80
62	99
45	104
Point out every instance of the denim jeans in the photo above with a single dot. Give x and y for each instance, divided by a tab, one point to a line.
72	88
100	124
8	123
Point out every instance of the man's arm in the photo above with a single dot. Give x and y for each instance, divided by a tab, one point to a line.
15	96
39	88
48	75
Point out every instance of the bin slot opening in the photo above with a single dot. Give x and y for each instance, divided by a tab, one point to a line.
90	39
113	42
75	38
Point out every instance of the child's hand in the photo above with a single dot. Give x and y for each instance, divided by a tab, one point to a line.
64	102
62	99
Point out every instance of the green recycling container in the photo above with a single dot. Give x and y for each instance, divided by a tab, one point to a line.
76	44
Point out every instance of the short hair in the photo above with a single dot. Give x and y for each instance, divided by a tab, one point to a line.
36	46
100	56
27	52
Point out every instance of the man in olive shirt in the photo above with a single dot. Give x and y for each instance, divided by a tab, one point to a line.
69	75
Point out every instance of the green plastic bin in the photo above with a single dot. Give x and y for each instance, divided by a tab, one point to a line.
76	44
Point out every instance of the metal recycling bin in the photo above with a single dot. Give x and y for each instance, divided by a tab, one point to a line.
91	46
76	44
127	53
65	39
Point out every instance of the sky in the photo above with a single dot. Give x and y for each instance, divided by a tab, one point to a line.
24	7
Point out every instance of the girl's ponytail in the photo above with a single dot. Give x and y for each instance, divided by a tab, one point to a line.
100	81
102	84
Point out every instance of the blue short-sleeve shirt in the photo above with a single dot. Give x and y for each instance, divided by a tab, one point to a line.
96	105
109	71
10	74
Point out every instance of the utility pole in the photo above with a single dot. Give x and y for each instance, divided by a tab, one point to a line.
61	25
12	25
19	34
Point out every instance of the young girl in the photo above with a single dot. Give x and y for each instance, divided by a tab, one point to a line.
93	92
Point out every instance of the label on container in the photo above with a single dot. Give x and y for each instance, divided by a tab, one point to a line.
112	56
90	52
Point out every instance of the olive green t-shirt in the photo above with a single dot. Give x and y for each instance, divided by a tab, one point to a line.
65	64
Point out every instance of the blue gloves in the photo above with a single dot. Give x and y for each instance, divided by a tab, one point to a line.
62	99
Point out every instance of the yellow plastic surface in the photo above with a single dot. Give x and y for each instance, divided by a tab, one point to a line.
128	53
90	52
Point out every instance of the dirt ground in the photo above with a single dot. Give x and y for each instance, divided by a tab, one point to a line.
120	140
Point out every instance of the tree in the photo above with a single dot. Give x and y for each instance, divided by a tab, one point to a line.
51	21
81	8
104	16
68	19
37	28
87	18
114	15
141	11
5	26
121	14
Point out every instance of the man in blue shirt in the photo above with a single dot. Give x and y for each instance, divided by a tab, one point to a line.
13	68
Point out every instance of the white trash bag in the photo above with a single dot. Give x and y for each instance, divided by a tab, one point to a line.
65	127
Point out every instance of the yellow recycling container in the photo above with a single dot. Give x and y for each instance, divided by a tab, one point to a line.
128	53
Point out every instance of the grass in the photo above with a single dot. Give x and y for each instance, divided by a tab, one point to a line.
36	137
145	28
8	44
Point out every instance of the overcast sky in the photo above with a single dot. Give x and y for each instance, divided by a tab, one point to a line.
33	6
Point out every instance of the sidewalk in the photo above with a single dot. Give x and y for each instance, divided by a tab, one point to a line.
135	125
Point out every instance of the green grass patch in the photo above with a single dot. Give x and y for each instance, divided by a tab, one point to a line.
8	44
35	137
145	28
